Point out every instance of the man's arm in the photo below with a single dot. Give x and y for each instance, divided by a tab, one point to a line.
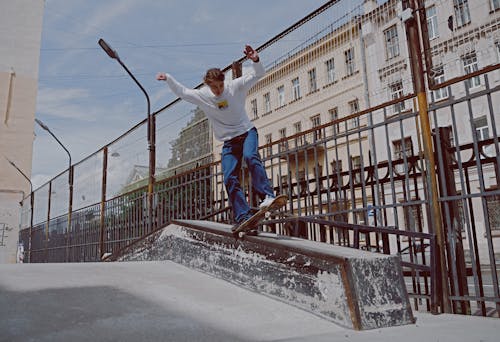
250	78
190	95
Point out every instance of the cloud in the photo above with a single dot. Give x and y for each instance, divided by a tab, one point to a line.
60	102
107	13
201	16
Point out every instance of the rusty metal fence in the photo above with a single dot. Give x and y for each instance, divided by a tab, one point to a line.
359	180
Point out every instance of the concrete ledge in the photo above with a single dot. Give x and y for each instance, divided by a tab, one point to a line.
353	288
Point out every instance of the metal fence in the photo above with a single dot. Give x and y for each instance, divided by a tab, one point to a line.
363	180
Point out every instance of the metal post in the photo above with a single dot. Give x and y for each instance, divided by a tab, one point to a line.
236	69
48	222
414	50
103	201
32	201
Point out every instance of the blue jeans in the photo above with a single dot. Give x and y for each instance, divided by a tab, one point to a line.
243	146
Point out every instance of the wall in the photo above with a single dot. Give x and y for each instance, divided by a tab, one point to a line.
20	27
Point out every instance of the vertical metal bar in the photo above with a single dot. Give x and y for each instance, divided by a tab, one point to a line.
152	163
455	253
296	155
391	175
493	128
412	32
471	230
70	202
425	42
434	276
48	222
30	240
489	238
497	169
352	175
103	200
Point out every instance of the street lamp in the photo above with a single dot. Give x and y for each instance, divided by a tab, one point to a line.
70	171
32	201
151	132
44	126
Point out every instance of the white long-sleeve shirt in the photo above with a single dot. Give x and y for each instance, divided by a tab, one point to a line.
227	111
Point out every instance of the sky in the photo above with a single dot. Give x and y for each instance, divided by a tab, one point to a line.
87	99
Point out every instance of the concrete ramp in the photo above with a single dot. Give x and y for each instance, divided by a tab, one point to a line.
353	288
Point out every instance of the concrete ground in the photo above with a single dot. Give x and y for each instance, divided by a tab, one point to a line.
163	301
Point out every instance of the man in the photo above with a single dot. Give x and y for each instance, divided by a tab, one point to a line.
223	102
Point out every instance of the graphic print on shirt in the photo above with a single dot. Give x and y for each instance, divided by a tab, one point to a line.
223	104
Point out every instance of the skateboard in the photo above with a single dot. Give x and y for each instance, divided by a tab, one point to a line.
253	222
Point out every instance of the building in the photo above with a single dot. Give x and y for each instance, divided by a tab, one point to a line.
21	28
365	62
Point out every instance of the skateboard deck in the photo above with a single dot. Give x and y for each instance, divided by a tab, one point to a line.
253	222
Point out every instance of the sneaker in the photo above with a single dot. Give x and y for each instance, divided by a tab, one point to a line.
267	201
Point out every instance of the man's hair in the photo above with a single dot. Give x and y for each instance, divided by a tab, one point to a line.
213	75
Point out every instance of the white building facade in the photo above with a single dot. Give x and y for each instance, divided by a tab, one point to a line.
362	64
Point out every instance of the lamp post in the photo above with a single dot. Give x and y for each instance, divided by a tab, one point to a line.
151	132
70	171
31	204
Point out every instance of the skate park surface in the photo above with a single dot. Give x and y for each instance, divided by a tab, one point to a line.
165	301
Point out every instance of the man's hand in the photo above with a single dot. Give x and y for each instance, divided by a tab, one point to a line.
161	76
251	53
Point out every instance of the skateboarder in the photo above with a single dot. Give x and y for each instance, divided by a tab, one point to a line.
223	102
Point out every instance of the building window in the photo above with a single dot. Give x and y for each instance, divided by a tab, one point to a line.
335	172
441	93
315	122
283	146
336	166
330	71
297	127
349	62
403	147
396	90
334	115
254	108
470	65
462	13
497	44
312	80
356	168
282	133
281	96
413	216
267	103
432	23
493	207
354	108
481	128
495	4
296	89
269	140
391	42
